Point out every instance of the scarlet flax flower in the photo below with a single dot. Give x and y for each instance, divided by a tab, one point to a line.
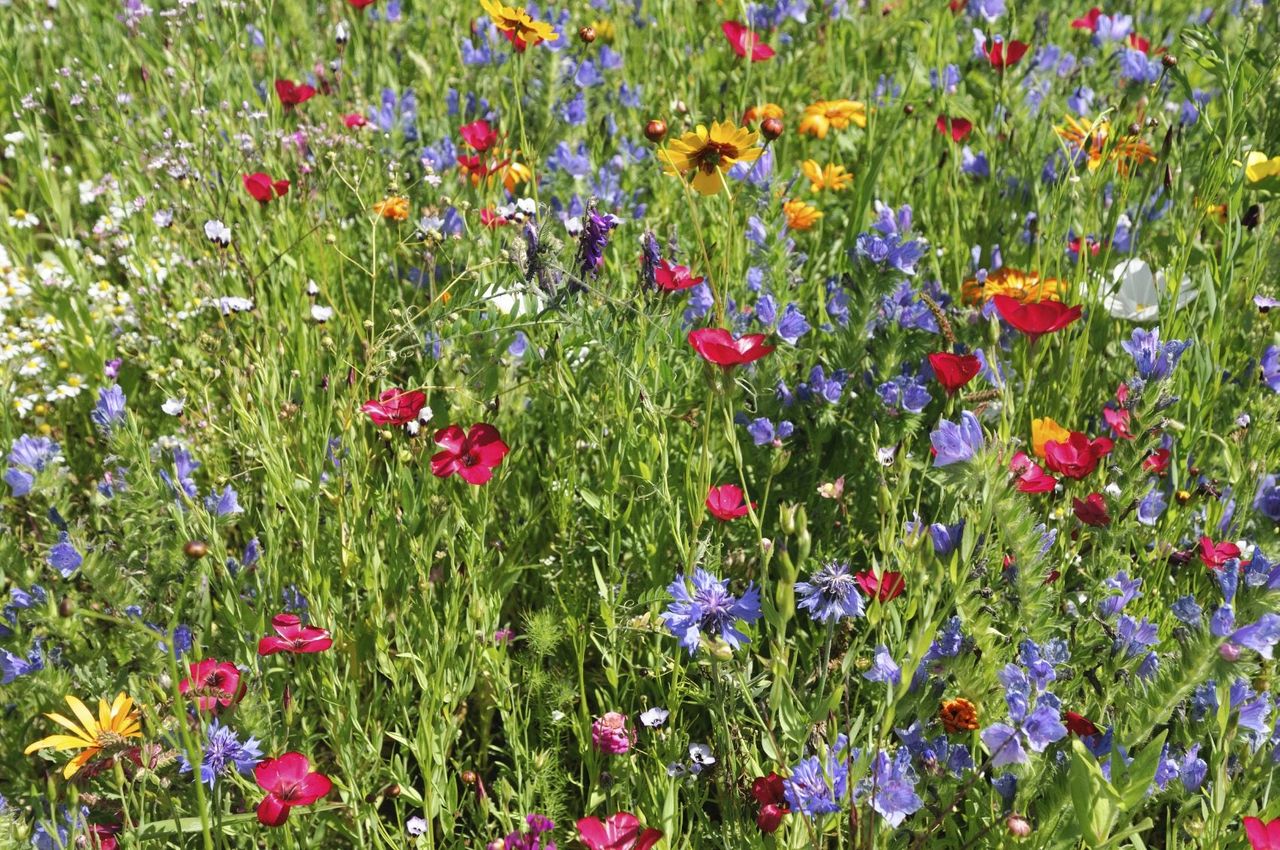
1078	724
1092	510
770	793
671	277
957	128
621	831
1078	456
292	636
1215	555
213	683
726	502
291	94
1089	21
745	42
1031	477
289	781
472	456
395	406
262	188
479	135
718	346
1038	318
885	587
1002	54
953	371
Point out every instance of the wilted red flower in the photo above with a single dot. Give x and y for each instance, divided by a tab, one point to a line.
726	502
1089	21
291	94
1092	511
1003	54
395	406
885	587
1031	477
672	277
621	831
292	636
263	188
472	456
773	803
744	41
354	119
957	128
479	135
953	371
1215	555
1078	456
288	781
1037	318
212	683
1078	724
718	346
1157	462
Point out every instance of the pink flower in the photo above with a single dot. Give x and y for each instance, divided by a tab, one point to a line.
395	406
1031	478
1215	555
1089	21
726	502
957	128
671	277
610	735
213	683
355	119
292	94
479	135
620	832
744	42
1078	456
263	188
473	456
885	587
718	346
292	636
1263	835
288	781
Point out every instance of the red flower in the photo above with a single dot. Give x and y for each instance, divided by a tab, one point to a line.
718	346
473	456
619	832
1137	42
395	406
292	636
213	683
1263	835
263	188
1078	724
492	220
744	41
671	277
1036	318
1003	56
479	135
885	587
1157	462
354	119
773	804
953	371
1215	555
1089	21
288	781
360	4
726	502
291	94
1031	477
957	128
1078	456
1092	511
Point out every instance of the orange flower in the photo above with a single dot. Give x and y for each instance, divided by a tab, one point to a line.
1044	430
395	208
958	715
1091	138
828	176
762	111
1026	287
800	216
821	116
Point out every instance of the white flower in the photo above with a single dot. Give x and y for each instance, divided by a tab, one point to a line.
700	754
1136	292
23	404
174	406
654	717
217	232
22	220
232	304
321	314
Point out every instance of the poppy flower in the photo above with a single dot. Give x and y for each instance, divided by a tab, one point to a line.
1078	456
212	683
1092	510
620	831
769	793
744	42
1263	835
957	128
263	188
1002	54
395	406
726	502
1215	555
472	456
672	277
1089	21
886	587
289	781
479	135
1037	318
291	94
1157	462
1031	477
953	371
1078	724
292	636
718	346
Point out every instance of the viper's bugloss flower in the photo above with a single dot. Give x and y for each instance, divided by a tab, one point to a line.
831	593
1153	359
109	411
956	442
705	607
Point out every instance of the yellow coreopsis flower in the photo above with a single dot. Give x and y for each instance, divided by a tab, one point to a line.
1044	430
762	111
111	729
828	176
515	174
1027	287
395	208
821	116
800	216
517	25
1261	172
604	30
1091	138
710	153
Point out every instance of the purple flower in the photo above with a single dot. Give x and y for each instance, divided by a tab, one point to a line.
891	785
1154	360
816	788
989	10
592	242
883	668
1270	366
1261	636
1137	67
1267	499
1004	745
793	324
907	392
831	593
63	557
1128	588
29	456
225	503
956	442
12	666
223	753
1134	636
1187	610
946	537
764	433
1152	506
110	408
707	607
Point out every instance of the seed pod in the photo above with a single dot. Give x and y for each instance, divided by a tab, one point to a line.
655	130
196	549
771	128
908	110
1169	60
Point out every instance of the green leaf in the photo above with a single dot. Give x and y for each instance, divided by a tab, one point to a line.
1093	798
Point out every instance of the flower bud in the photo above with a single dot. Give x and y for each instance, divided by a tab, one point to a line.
1169	60
908	110
655	130
1018	826
1230	653
771	128
587	34
196	549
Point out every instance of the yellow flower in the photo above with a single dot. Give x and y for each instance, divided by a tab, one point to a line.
604	30
830	176
1090	137
515	174
395	208
762	111
1261	172
825	114
800	216
1027	287
709	154
1044	430
522	29
114	725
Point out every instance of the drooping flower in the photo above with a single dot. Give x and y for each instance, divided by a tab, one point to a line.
831	593
395	406
289	781
953	371
621	831
611	735
705	607
292	636
709	154
821	116
471	456
212	683
1092	510
956	442
262	188
1078	456
1038	318
718	346
745	42
115	724
727	502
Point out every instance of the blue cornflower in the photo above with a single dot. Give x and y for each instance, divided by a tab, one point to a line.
1154	360
223	753
28	456
831	593
956	442
816	788
709	608
891	786
63	557
110	408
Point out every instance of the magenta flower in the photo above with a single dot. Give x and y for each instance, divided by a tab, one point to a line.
472	456
621	831
611	735
292	636
288	781
726	502
212	683
395	406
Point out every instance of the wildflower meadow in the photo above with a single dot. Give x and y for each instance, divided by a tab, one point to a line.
630	424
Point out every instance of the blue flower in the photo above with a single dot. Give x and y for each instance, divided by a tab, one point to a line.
1036	716
224	752
225	503
883	668
764	433
1128	588
956	442
709	608
946	537
29	456
1261	636
1270	367
63	557
816	788
907	391
1134	636
109	411
1267	500
792	325
831	593
1152	506
1186	609
12	666
891	786
1153	359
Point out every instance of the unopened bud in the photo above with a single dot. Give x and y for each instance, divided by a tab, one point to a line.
1169	60
1230	653
587	34
772	128
1018	826
196	549
655	130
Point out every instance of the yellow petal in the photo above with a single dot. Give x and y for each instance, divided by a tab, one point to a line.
707	183
57	742
67	724
78	762
84	716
